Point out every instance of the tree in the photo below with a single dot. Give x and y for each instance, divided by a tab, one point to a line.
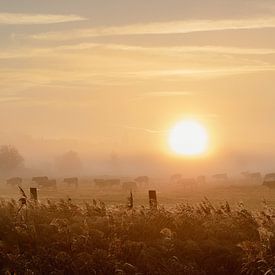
10	159
69	163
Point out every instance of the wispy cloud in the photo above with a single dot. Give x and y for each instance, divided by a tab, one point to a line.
203	73
5	99
150	131
30	19
161	94
84	48
166	49
176	27
187	49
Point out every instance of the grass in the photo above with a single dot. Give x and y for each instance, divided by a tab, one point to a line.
65	237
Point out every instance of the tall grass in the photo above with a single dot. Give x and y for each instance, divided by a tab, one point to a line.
65	238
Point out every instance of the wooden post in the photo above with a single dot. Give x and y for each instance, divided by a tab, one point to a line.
130	201
153	199
33	192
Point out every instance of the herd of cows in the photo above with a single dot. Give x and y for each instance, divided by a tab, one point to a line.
143	181
45	182
267	180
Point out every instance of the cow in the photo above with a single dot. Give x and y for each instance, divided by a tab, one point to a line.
175	178
44	182
201	180
14	181
99	183
129	186
269	180
102	183
48	184
71	182
254	178
113	182
142	181
220	177
40	179
187	183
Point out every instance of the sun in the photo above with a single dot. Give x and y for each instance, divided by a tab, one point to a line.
188	138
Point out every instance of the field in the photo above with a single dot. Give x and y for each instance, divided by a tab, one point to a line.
208	230
168	195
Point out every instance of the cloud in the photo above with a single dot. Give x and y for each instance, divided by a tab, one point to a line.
174	27
203	73
5	99
84	48
31	19
166	49
165	94
86	65
147	130
161	94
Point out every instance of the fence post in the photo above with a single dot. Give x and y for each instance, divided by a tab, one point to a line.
33	192
153	199
130	201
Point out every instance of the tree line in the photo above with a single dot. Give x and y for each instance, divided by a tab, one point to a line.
11	160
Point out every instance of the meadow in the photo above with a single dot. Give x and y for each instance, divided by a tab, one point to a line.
252	195
214	230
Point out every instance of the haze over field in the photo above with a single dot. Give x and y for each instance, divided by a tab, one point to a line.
110	81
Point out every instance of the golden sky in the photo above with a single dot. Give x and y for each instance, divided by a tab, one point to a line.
102	76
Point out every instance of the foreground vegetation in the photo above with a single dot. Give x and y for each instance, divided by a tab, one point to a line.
65	238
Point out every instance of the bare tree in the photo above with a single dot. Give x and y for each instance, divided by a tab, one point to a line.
10	159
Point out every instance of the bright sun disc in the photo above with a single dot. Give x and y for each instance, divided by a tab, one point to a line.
188	138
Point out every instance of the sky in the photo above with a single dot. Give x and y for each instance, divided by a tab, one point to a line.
112	77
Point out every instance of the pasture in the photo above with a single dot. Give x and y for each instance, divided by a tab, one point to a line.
169	195
86	229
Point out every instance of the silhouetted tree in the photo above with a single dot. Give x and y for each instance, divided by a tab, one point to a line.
10	159
69	163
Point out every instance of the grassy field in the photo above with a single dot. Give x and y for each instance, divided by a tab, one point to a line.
64	237
168	195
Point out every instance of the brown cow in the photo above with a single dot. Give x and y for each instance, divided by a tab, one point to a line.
44	182
108	183
201	180
14	181
188	183
142	181
129	186
40	179
71	182
269	180
175	178
254	178
220	177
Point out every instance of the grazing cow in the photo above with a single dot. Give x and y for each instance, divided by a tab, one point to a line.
14	181
220	177
255	176
113	182
71	182
269	181
188	183
44	182
102	183
175	178
201	180
252	177
129	186
40	179
99	183
48	184
142	181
